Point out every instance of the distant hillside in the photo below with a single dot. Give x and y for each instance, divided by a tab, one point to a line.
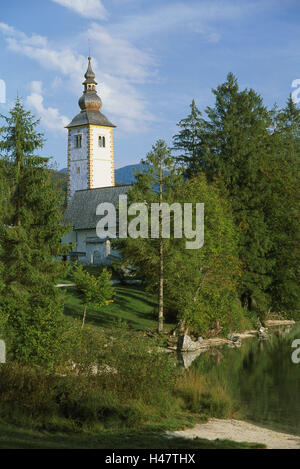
126	174
123	175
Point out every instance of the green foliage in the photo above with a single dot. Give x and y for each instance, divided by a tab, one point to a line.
284	212
210	273
154	184
30	241
130	389
93	290
253	153
189	141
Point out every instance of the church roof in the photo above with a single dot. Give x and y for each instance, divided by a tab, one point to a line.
81	211
90	117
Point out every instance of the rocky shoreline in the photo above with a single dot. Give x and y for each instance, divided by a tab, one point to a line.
188	349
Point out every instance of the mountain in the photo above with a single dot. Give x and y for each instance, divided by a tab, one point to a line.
123	175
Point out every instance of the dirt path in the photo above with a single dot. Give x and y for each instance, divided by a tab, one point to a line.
240	431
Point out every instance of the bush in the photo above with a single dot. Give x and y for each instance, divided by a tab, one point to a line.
133	385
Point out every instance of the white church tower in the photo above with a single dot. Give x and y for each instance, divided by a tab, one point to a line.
90	142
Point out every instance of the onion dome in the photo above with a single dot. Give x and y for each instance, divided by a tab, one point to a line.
90	104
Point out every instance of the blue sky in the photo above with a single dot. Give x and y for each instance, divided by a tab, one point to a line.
151	59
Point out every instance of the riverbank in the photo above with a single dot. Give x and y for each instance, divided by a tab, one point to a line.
234	338
239	431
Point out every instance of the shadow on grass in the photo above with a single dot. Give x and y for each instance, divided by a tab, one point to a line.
131	304
17	438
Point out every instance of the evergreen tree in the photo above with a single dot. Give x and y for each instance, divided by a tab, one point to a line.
30	240
189	141
238	152
154	184
235	148
254	152
283	210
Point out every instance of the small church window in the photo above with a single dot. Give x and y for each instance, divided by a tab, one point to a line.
78	141
78	170
102	142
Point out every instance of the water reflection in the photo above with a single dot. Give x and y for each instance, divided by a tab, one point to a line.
261	377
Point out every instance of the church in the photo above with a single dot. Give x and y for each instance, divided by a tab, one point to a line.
91	177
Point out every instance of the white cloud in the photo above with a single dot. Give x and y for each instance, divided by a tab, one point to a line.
119	56
86	8
118	60
122	67
50	117
199	17
36	47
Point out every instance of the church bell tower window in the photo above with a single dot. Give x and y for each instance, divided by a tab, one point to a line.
78	141
101	142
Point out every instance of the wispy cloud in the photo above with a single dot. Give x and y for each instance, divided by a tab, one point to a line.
86	8
36	47
50	117
120	62
119	56
198	17
118	77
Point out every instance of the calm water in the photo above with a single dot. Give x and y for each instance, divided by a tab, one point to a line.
261	378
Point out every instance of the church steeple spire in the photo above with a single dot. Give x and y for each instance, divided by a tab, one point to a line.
90	75
90	100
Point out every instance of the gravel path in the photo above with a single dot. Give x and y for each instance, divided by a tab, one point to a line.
240	431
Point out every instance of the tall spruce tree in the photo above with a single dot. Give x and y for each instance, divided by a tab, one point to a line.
255	153
189	141
235	148
30	239
283	210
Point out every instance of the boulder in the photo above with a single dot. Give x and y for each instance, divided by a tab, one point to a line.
233	337
186	344
263	333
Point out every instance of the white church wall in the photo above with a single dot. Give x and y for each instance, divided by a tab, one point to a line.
81	238
78	161
102	158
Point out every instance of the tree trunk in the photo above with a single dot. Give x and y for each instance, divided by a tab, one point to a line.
84	316
161	289
161	259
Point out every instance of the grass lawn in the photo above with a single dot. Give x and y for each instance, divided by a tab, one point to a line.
17	438
131	304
